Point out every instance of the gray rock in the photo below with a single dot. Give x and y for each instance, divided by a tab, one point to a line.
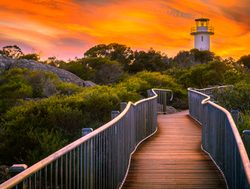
169	109
8	63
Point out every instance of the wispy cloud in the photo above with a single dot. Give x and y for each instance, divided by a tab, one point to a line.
66	28
178	13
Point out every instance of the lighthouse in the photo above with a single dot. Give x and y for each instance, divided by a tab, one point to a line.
202	32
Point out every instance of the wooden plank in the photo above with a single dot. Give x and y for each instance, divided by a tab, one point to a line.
172	158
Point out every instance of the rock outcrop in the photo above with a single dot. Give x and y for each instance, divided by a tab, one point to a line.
8	63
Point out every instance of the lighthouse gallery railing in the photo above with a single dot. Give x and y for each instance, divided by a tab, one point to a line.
221	139
100	159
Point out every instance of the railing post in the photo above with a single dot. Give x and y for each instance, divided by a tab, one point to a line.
123	106
164	102
99	160
246	140
114	114
15	170
86	131
235	114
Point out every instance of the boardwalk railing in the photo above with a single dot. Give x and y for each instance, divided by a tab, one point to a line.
99	159
221	139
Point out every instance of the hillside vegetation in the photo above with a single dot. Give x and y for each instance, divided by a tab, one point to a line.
41	113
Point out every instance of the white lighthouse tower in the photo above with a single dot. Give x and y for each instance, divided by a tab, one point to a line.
202	32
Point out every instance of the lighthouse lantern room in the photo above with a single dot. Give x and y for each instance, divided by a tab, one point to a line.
202	32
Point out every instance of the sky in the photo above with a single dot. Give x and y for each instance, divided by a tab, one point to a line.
67	28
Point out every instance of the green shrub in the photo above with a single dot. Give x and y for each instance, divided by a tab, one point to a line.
58	118
18	84
244	122
97	69
142	81
237	97
65	88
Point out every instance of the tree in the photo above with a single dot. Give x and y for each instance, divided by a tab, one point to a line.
53	61
193	57
12	51
204	75
202	57
99	70
104	71
113	51
150	61
32	56
79	68
183	59
245	60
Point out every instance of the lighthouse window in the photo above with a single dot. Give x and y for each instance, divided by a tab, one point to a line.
201	38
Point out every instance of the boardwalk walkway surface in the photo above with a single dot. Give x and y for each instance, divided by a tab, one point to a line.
172	158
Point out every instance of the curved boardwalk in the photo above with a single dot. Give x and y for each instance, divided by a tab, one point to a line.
172	158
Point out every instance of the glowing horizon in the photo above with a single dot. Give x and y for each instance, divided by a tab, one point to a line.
67	28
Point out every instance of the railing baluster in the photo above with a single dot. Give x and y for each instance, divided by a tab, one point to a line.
81	166
220	138
101	158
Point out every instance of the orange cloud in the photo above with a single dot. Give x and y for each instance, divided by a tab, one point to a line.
66	28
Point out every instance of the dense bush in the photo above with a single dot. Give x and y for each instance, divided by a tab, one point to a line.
142	81
40	113
151	61
34	129
245	60
244	122
203	75
18	84
99	70
236	98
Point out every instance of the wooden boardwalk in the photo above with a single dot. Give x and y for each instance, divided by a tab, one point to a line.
173	158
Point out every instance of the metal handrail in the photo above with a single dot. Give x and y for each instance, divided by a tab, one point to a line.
221	139
209	29
99	159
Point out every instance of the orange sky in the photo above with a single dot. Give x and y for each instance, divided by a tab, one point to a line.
67	28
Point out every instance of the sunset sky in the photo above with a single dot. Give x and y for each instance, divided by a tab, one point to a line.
67	28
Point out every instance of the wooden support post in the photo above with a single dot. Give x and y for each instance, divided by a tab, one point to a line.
235	114
86	131
15	170
123	105
114	113
164	102
246	140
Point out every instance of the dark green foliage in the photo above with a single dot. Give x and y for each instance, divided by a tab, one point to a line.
204	75
12	51
40	114
245	60
32	56
189	58
183	59
103	70
142	81
18	84
53	61
237	98
98	70
219	72
244	122
36	128
78	68
202	56
150	61
113	51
